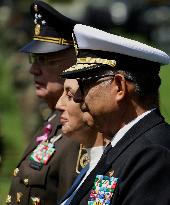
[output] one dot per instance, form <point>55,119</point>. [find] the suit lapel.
<point>149,121</point>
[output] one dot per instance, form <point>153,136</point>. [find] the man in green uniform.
<point>50,163</point>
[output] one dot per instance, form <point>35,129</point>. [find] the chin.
<point>66,130</point>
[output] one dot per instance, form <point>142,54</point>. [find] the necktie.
<point>71,192</point>
<point>107,148</point>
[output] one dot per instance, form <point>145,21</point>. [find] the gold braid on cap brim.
<point>60,41</point>
<point>89,61</point>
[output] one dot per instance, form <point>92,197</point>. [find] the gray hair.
<point>147,83</point>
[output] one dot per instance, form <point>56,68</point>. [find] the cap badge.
<point>39,16</point>
<point>35,8</point>
<point>37,29</point>
<point>43,22</point>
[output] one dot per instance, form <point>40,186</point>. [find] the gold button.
<point>26,182</point>
<point>19,195</point>
<point>35,200</point>
<point>8,199</point>
<point>16,171</point>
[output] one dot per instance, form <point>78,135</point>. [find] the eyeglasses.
<point>42,59</point>
<point>85,83</point>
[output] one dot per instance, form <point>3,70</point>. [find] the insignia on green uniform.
<point>8,199</point>
<point>16,171</point>
<point>26,182</point>
<point>83,159</point>
<point>35,201</point>
<point>42,153</point>
<point>19,195</point>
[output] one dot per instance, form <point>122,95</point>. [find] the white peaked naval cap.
<point>92,39</point>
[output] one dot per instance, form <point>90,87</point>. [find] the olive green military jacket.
<point>36,185</point>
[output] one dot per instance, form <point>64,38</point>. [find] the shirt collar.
<point>127,127</point>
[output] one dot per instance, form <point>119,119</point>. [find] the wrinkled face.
<point>74,121</point>
<point>46,69</point>
<point>99,98</point>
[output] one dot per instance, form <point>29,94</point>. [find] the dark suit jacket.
<point>141,162</point>
<point>53,180</point>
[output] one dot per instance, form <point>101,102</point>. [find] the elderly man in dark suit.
<point>48,166</point>
<point>118,84</point>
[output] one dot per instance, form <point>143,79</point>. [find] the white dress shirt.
<point>94,155</point>
<point>118,136</point>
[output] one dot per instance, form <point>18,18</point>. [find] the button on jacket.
<point>47,185</point>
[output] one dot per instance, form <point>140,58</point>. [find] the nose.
<point>35,69</point>
<point>78,97</point>
<point>60,105</point>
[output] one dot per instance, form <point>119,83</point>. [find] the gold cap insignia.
<point>35,201</point>
<point>19,195</point>
<point>37,29</point>
<point>8,199</point>
<point>35,8</point>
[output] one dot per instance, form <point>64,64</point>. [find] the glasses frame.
<point>41,59</point>
<point>84,82</point>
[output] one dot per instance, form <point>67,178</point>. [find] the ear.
<point>120,87</point>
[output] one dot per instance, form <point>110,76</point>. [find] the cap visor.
<point>42,47</point>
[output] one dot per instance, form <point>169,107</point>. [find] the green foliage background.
<point>11,129</point>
